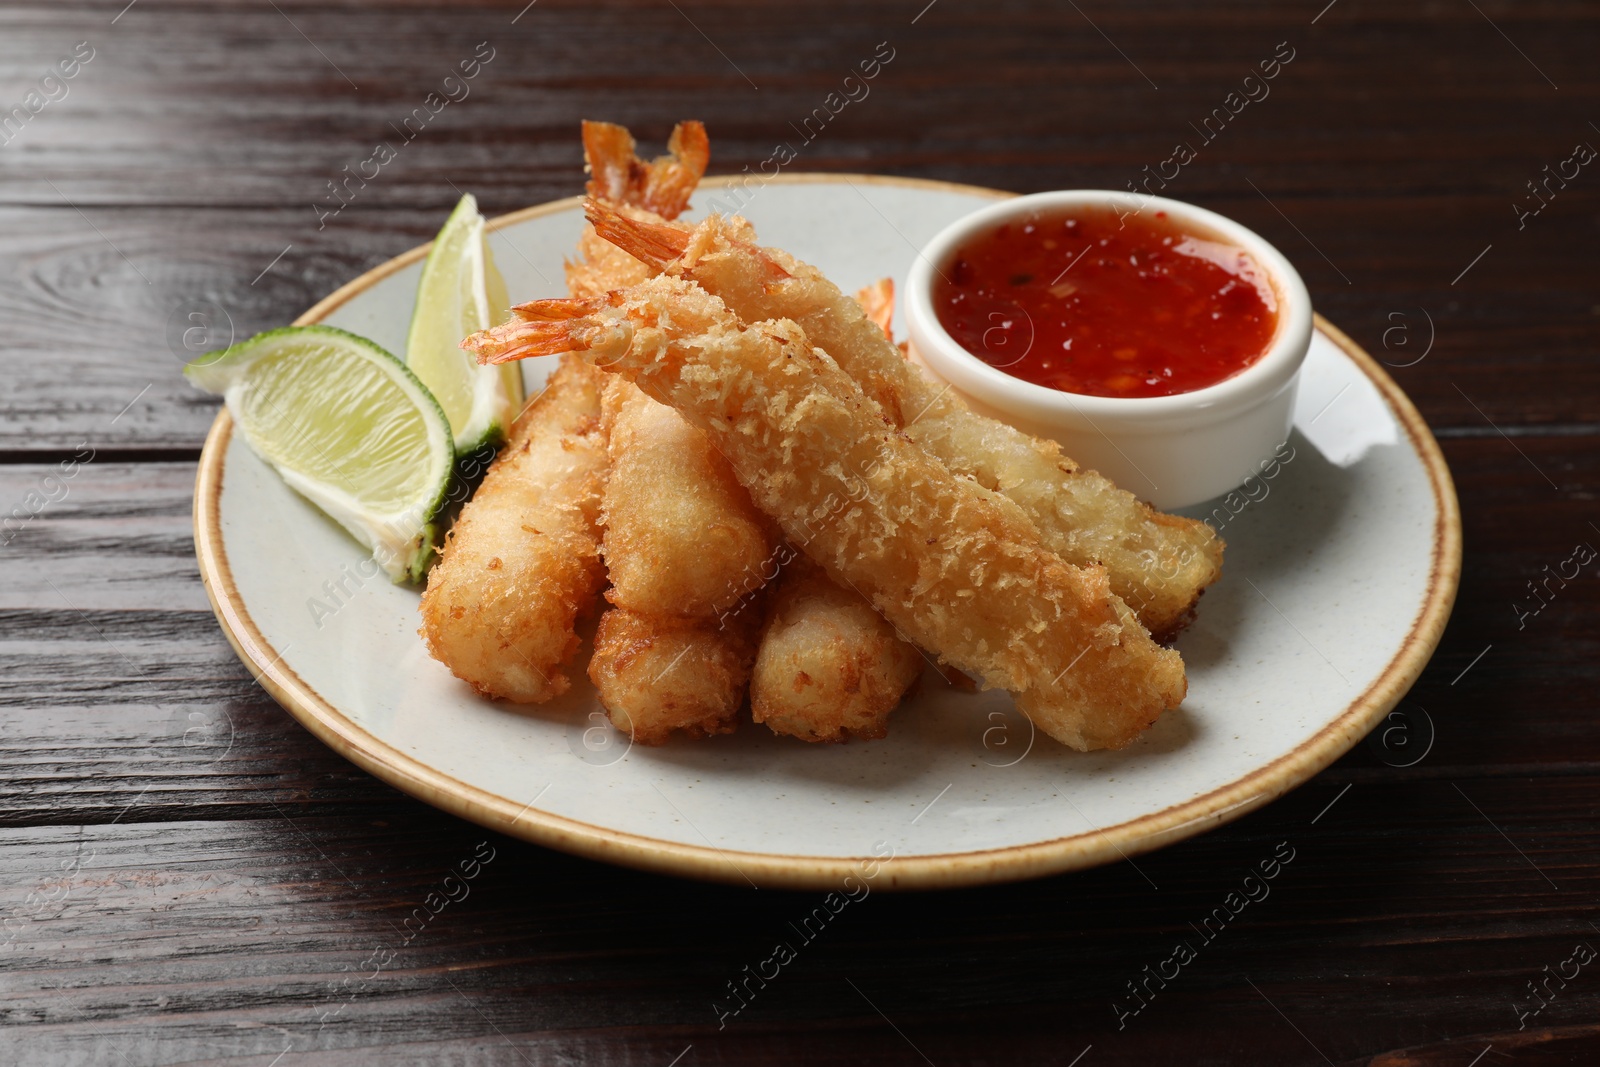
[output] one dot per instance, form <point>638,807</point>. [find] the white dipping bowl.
<point>1170,450</point>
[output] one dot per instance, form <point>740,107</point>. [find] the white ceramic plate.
<point>1339,578</point>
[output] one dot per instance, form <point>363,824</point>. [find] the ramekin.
<point>1173,451</point>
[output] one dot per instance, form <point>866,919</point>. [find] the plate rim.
<point>786,871</point>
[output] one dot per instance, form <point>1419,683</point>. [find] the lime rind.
<point>403,537</point>
<point>460,292</point>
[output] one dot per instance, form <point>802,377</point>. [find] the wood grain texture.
<point>1387,155</point>
<point>241,871</point>
<point>186,876</point>
<point>181,940</point>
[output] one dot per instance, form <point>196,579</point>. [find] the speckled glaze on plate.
<point>1341,571</point>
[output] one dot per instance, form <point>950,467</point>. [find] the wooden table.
<point>186,876</point>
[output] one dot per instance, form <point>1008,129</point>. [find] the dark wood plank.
<point>95,319</point>
<point>113,663</point>
<point>1402,918</point>
<point>1385,166</point>
<point>1013,85</point>
<point>247,923</point>
<point>1505,708</point>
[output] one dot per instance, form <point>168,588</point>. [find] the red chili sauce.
<point>1088,303</point>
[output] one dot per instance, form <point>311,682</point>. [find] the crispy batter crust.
<point>957,568</point>
<point>659,675</point>
<point>829,667</point>
<point>523,560</point>
<point>681,535</point>
<point>1157,563</point>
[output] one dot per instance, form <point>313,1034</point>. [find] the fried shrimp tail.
<point>653,245</point>
<point>877,303</point>
<point>828,667</point>
<point>522,338</point>
<point>1158,563</point>
<point>958,569</point>
<point>656,246</point>
<point>652,194</point>
<point>523,560</point>
<point>663,186</point>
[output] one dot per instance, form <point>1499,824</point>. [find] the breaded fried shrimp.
<point>1158,563</point>
<point>829,667</point>
<point>680,532</point>
<point>658,675</point>
<point>523,560</point>
<point>650,193</point>
<point>957,568</point>
<point>679,528</point>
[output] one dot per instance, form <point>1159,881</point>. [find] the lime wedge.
<point>462,292</point>
<point>349,428</point>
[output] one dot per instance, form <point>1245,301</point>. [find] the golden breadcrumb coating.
<point>829,667</point>
<point>658,675</point>
<point>680,532</point>
<point>957,568</point>
<point>523,559</point>
<point>1158,563</point>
